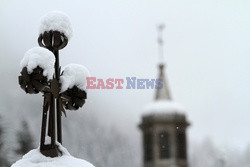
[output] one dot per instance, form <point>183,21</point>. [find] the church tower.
<point>164,128</point>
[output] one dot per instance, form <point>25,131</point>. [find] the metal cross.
<point>160,29</point>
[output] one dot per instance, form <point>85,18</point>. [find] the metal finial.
<point>163,93</point>
<point>160,29</point>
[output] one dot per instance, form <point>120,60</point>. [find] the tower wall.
<point>164,140</point>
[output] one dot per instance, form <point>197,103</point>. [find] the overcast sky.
<point>207,51</point>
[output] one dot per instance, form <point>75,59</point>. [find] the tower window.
<point>148,146</point>
<point>164,146</point>
<point>181,145</point>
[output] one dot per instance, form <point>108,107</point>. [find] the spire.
<point>163,93</point>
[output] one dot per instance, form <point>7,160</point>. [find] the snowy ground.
<point>35,159</point>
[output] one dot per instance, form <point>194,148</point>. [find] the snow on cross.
<point>66,90</point>
<point>56,21</point>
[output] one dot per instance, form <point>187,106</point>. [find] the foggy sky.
<point>207,47</point>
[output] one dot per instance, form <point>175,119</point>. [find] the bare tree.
<point>25,139</point>
<point>3,158</point>
<point>104,146</point>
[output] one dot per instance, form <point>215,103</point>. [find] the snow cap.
<point>57,21</point>
<point>39,56</point>
<point>161,106</point>
<point>74,75</point>
<point>34,158</point>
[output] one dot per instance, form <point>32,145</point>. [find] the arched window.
<point>148,146</point>
<point>181,145</point>
<point>164,145</point>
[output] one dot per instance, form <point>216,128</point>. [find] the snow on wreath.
<point>37,74</point>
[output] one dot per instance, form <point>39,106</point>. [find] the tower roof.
<point>163,101</point>
<point>163,93</point>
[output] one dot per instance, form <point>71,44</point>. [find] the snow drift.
<point>35,159</point>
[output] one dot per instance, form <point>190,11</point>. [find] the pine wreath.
<point>73,98</point>
<point>34,82</point>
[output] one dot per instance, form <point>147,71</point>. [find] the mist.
<point>206,51</point>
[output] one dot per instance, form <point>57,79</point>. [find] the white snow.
<point>74,75</point>
<point>163,106</point>
<point>56,20</point>
<point>39,56</point>
<point>47,140</point>
<point>35,159</point>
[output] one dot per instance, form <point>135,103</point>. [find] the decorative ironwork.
<point>55,102</point>
<point>32,83</point>
<point>73,98</point>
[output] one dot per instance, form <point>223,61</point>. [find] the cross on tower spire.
<point>160,28</point>
<point>163,93</point>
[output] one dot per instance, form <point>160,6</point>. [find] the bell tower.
<point>164,126</point>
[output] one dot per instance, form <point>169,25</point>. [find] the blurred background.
<point>207,56</point>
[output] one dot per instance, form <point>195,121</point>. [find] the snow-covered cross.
<point>41,72</point>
